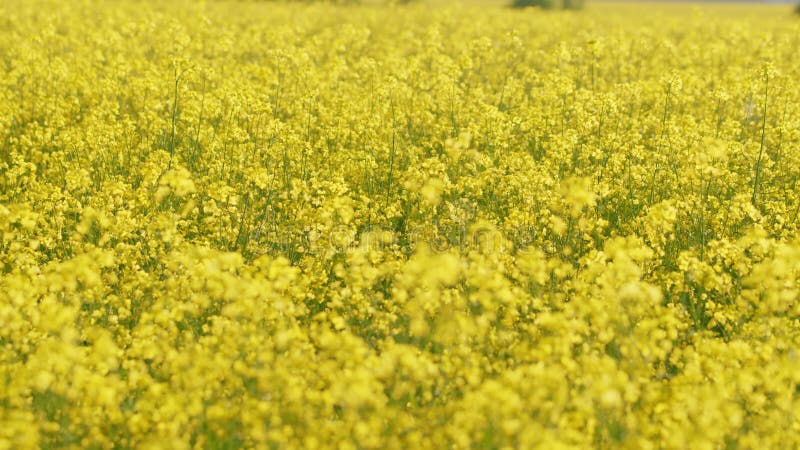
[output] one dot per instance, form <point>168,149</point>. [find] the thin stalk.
<point>174,118</point>
<point>391,156</point>
<point>763,134</point>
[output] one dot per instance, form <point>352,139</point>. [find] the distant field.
<point>433,226</point>
<point>677,8</point>
<point>653,5</point>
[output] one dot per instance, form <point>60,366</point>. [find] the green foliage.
<point>548,4</point>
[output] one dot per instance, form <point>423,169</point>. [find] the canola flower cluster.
<point>233,224</point>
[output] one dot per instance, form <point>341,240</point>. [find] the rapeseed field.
<point>438,226</point>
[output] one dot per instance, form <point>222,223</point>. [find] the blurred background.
<point>573,5</point>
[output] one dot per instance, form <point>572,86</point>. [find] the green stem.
<point>763,134</point>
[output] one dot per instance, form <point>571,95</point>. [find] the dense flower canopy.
<point>234,224</point>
